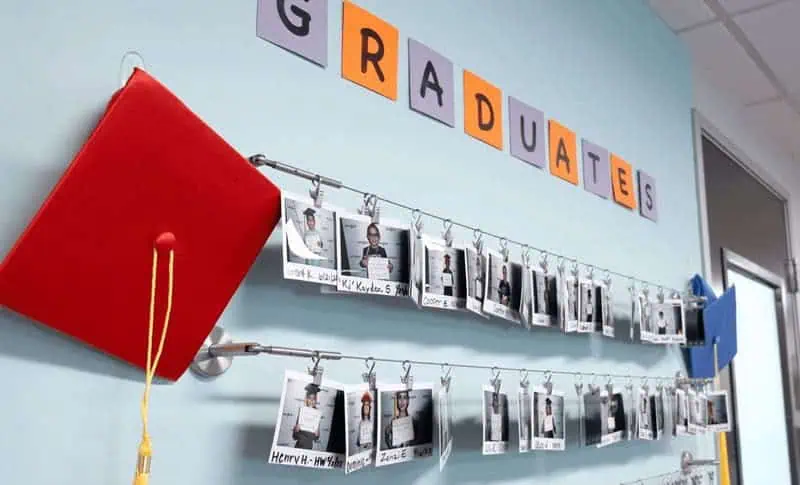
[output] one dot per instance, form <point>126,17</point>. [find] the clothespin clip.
<point>593,387</point>
<point>575,270</point>
<point>504,249</point>
<point>369,376</point>
<point>477,240</point>
<point>495,380</point>
<point>660,295</point>
<point>370,208</point>
<point>447,235</point>
<point>610,385</point>
<point>446,378</point>
<point>316,371</point>
<point>526,255</point>
<point>407,378</point>
<point>416,221</point>
<point>316,193</point>
<point>590,272</point>
<point>607,280</point>
<point>548,382</point>
<point>543,263</point>
<point>579,387</point>
<point>645,386</point>
<point>523,379</point>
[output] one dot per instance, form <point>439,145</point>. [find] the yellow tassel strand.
<point>142,476</point>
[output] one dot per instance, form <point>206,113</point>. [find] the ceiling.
<point>750,49</point>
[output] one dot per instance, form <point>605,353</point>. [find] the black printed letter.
<point>484,125</point>
<point>595,159</point>
<point>433,83</point>
<point>528,146</point>
<point>301,30</point>
<point>623,182</point>
<point>562,156</point>
<point>373,57</point>
<point>649,203</point>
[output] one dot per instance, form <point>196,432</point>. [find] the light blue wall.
<point>609,70</point>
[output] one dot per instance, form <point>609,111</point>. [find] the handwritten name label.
<point>495,447</point>
<point>610,438</point>
<point>501,311</point>
<point>585,327</point>
<point>313,274</point>
<point>359,461</point>
<point>608,331</point>
<point>310,459</point>
<point>353,284</point>
<point>402,455</point>
<point>541,320</point>
<point>548,444</point>
<point>571,326</point>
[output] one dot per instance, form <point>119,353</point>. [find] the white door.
<point>759,383</point>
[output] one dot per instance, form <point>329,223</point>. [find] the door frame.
<point>702,129</point>
<point>731,260</point>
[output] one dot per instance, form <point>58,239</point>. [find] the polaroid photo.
<point>361,416</point>
<point>681,413</point>
<point>646,333</point>
<point>607,325</point>
<point>718,411</point>
<point>693,322</point>
<point>613,421</point>
<point>667,322</point>
<point>526,298</point>
<point>476,276</point>
<point>697,412</point>
<point>444,281</point>
<point>548,420</point>
<point>643,418</point>
<point>524,408</point>
<point>309,240</point>
<point>310,429</point>
<point>503,287</point>
<point>592,418</point>
<point>657,415</point>
<point>545,299</point>
<point>570,294</point>
<point>372,258</point>
<point>445,426</point>
<point>405,423</point>
<point>495,421</point>
<point>589,306</point>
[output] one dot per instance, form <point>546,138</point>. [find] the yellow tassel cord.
<point>145,446</point>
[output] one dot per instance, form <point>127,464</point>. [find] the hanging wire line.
<point>253,348</point>
<point>260,160</point>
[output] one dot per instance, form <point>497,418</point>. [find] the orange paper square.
<point>369,51</point>
<point>563,152</point>
<point>483,110</point>
<point>622,182</point>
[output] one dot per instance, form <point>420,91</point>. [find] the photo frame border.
<point>550,444</point>
<point>334,460</point>
<point>365,458</point>
<point>417,452</point>
<point>497,309</point>
<point>327,277</point>
<point>492,447</point>
<point>441,302</point>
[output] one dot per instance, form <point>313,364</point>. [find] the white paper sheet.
<point>309,419</point>
<point>378,268</point>
<point>496,433</point>
<point>402,431</point>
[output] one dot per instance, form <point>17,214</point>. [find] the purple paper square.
<point>526,132</point>
<point>596,169</point>
<point>430,83</point>
<point>299,26</point>
<point>648,204</point>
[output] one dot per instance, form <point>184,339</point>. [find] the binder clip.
<point>369,376</point>
<point>369,207</point>
<point>316,371</point>
<point>407,378</point>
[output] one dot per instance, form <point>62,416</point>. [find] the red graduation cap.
<point>151,171</point>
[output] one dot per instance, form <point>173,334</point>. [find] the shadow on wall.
<point>272,301</point>
<point>24,339</point>
<point>466,464</point>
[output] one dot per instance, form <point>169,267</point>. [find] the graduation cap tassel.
<point>142,476</point>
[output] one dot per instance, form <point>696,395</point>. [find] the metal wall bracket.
<point>208,365</point>
<point>688,462</point>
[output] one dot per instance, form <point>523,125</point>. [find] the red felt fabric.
<point>151,166</point>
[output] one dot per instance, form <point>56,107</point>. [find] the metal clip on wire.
<point>447,235</point>
<point>316,371</point>
<point>316,193</point>
<point>369,376</point>
<point>407,378</point>
<point>495,380</point>
<point>446,378</point>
